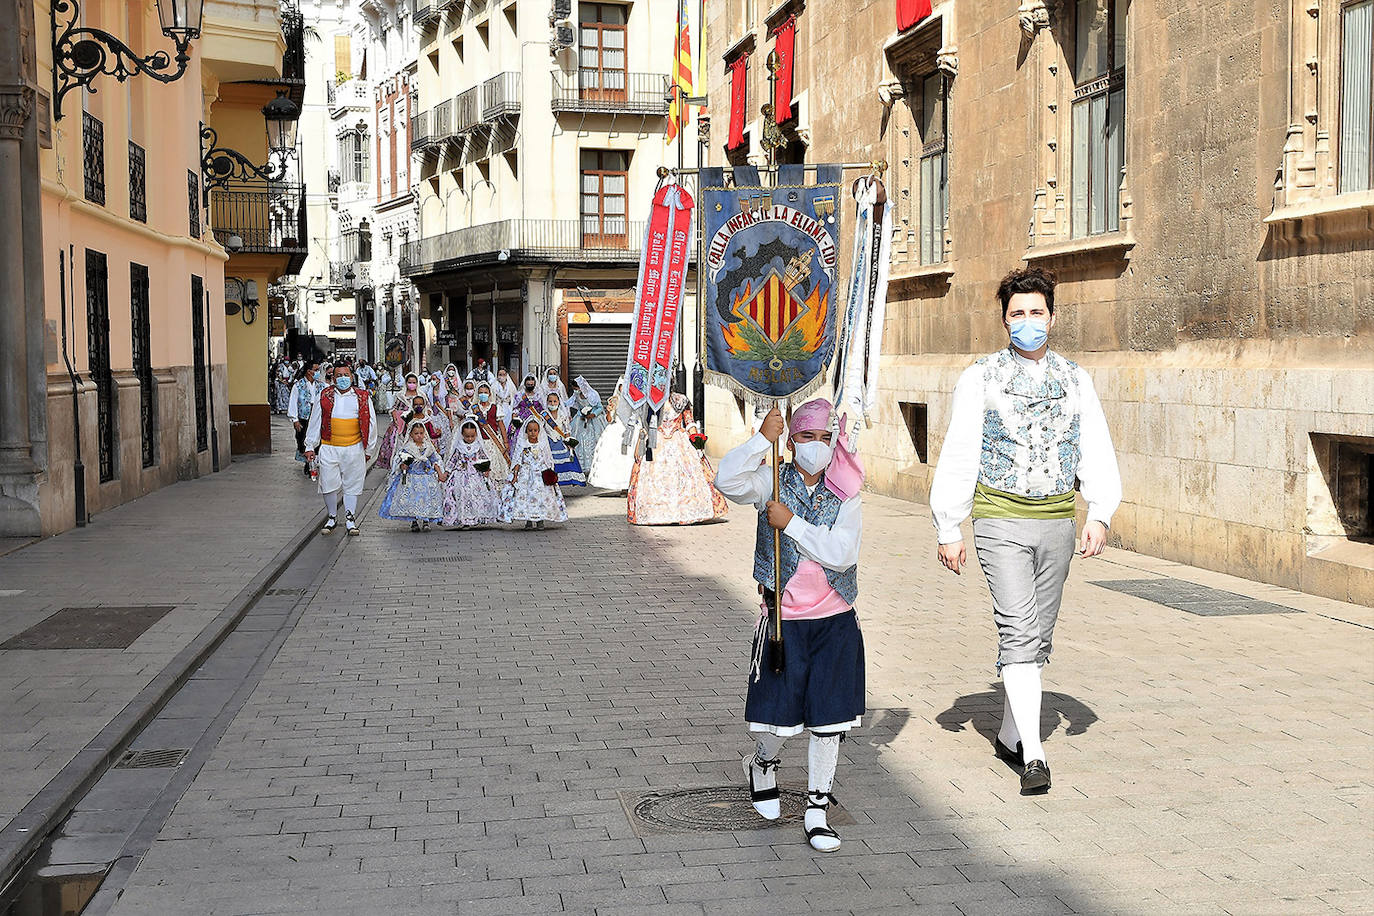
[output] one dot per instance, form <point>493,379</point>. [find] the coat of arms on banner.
<point>768,322</point>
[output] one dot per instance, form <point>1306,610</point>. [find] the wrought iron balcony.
<point>467,112</point>
<point>427,12</point>
<point>420,137</point>
<point>606,241</point>
<point>612,91</point>
<point>138,183</point>
<point>269,219</point>
<point>93,157</point>
<point>501,96</point>
<point>350,95</point>
<point>441,120</point>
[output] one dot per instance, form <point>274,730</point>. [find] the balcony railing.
<point>420,137</point>
<point>427,12</point>
<point>270,219</point>
<point>351,94</point>
<point>615,241</point>
<point>467,110</point>
<point>501,96</point>
<point>441,120</point>
<point>293,58</point>
<point>611,91</point>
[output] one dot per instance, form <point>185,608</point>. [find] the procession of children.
<point>482,450</point>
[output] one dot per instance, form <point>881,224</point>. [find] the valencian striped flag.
<point>678,113</point>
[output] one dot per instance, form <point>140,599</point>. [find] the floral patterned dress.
<point>676,488</point>
<point>527,497</point>
<point>414,493</point>
<point>470,498</point>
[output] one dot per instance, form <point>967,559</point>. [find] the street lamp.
<point>220,165</point>
<point>79,54</point>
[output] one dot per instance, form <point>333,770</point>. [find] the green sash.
<point>990,503</point>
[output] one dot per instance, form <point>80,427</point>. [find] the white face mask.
<point>812,457</point>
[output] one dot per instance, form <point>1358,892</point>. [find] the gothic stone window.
<point>1099,107</point>
<point>918,151</point>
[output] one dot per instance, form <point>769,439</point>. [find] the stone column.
<point>16,107</point>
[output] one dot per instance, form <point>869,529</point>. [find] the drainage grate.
<point>453,559</point>
<point>718,808</point>
<point>1201,600</point>
<point>296,592</point>
<point>156,757</point>
<point>89,628</point>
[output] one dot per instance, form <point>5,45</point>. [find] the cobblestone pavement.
<point>193,545</point>
<point>457,718</point>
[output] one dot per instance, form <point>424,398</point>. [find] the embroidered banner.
<point>658,298</point>
<point>855,379</point>
<point>768,313</point>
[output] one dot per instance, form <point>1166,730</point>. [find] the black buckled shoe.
<point>1007,754</point>
<point>1036,778</point>
<point>766,799</point>
<point>329,525</point>
<point>820,836</point>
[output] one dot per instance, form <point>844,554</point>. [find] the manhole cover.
<point>1201,600</point>
<point>156,757</point>
<point>89,628</point>
<point>717,808</point>
<point>285,591</point>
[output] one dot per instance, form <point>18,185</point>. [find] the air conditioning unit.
<point>562,9</point>
<point>563,36</point>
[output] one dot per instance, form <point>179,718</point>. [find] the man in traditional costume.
<point>821,686</point>
<point>1025,425</point>
<point>344,434</point>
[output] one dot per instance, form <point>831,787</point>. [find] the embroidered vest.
<point>327,413</point>
<point>1030,429</point>
<point>820,508</point>
<point>304,402</point>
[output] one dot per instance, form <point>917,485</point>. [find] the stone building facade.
<point>1196,173</point>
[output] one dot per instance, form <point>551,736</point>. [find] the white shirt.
<point>744,477</point>
<point>956,474</point>
<point>345,408</point>
<point>293,406</point>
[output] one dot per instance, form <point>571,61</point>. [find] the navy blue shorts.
<point>822,682</point>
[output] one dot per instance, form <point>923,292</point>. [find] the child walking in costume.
<point>532,495</point>
<point>469,497</point>
<point>821,687</point>
<point>415,492</point>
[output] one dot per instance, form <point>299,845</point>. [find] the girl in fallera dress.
<point>398,420</point>
<point>532,494</point>
<point>415,491</point>
<point>677,486</point>
<point>614,458</point>
<point>470,499</point>
<point>561,442</point>
<point>492,429</point>
<point>588,421</point>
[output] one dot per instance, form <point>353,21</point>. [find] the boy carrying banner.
<point>821,685</point>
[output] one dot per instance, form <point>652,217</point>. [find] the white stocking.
<point>822,758</point>
<point>351,503</point>
<point>331,502</point>
<point>768,745</point>
<point>1008,734</point>
<point>1022,683</point>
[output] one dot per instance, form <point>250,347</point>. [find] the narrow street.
<point>464,722</point>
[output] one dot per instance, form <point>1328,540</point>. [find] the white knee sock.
<point>351,503</point>
<point>1008,734</point>
<point>331,503</point>
<point>768,745</point>
<point>1022,683</point>
<point>822,758</point>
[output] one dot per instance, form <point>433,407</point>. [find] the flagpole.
<point>772,141</point>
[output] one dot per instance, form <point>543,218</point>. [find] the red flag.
<point>739,69</point>
<point>910,12</point>
<point>784,42</point>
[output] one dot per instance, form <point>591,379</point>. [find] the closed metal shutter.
<point>598,351</point>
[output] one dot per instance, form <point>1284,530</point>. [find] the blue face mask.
<point>343,382</point>
<point>484,397</point>
<point>319,376</point>
<point>1029,334</point>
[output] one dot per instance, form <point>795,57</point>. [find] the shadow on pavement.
<point>984,712</point>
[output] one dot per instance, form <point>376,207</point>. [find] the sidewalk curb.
<point>25,833</point>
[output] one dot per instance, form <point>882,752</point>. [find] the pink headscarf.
<point>845,475</point>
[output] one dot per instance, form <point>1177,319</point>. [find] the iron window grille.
<point>1099,109</point>
<point>93,157</point>
<point>143,363</point>
<point>98,358</point>
<point>198,363</point>
<point>193,203</point>
<point>138,183</point>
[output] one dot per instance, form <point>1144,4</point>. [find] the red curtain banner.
<point>739,68</point>
<point>910,12</point>
<point>784,42</point>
